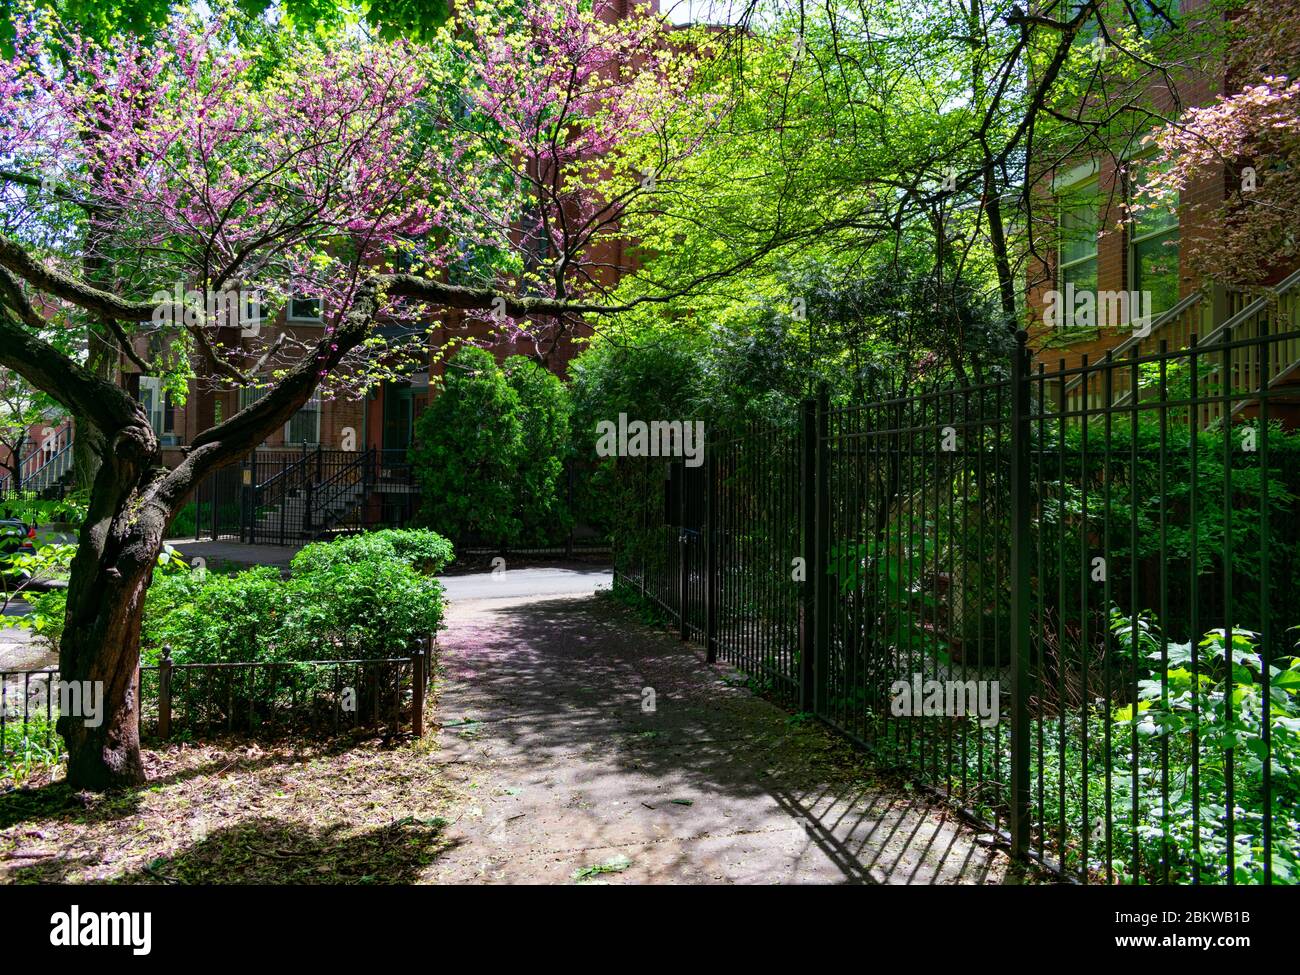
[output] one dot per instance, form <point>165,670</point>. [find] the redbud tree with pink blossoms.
<point>139,179</point>
<point>1252,132</point>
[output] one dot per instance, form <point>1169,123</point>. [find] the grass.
<point>28,752</point>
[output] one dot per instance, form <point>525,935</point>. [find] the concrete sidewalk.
<point>541,705</point>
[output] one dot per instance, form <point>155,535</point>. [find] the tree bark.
<point>116,553</point>
<point>104,651</point>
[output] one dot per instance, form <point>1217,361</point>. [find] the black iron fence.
<point>266,698</point>
<point>289,496</point>
<point>292,496</point>
<point>1062,598</point>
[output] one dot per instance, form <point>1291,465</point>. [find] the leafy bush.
<point>46,619</point>
<point>425,551</point>
<point>368,609</point>
<point>1124,487</point>
<point>489,452</point>
<point>467,443</point>
<point>652,374</point>
<point>29,507</point>
<point>359,596</point>
<point>544,439</point>
<point>206,617</point>
<point>1182,718</point>
<point>1173,719</point>
<point>369,596</point>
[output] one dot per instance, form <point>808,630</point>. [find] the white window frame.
<point>291,317</point>
<point>1132,238</point>
<point>157,404</point>
<point>1084,181</point>
<point>1061,263</point>
<point>248,395</point>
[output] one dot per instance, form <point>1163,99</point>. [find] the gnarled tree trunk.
<point>111,572</point>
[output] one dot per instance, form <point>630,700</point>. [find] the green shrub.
<point>367,595</point>
<point>28,507</point>
<point>49,611</point>
<point>424,551</point>
<point>540,487</point>
<point>490,452</point>
<point>206,617</point>
<point>365,609</point>
<point>467,445</point>
<point>1184,688</point>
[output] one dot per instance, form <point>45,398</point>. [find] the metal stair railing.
<point>1246,363</point>
<point>51,471</point>
<point>347,484</point>
<point>1248,360</point>
<point>1175,319</point>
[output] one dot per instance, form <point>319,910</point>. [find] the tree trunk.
<point>105,653</point>
<point>100,651</point>
<point>87,445</point>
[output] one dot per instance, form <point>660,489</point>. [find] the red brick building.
<point>1098,246</point>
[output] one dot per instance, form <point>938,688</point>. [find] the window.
<point>157,406</point>
<point>1153,246</point>
<point>1078,222</point>
<point>304,309</point>
<point>303,427</point>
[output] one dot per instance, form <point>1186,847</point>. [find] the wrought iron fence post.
<point>164,694</point>
<point>710,559</point>
<point>1020,649</point>
<point>683,553</point>
<point>284,508</point>
<point>247,479</point>
<point>808,521</point>
<point>417,693</point>
<point>821,632</point>
<point>214,497</point>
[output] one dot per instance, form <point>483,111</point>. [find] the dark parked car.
<point>15,536</point>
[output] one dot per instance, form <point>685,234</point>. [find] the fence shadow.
<point>552,693</point>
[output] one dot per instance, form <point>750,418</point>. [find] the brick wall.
<point>1197,205</point>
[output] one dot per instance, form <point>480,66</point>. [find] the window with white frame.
<point>1152,243</point>
<point>303,427</point>
<point>1078,223</point>
<point>154,400</point>
<point>303,308</point>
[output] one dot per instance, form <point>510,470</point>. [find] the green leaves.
<point>615,864</point>
<point>489,451</point>
<point>361,596</point>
